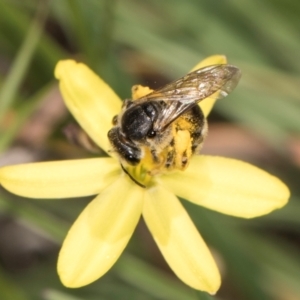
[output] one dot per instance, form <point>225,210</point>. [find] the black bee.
<point>167,125</point>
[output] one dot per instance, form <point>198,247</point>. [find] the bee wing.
<point>213,81</point>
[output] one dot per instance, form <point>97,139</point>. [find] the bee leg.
<point>198,137</point>
<point>155,157</point>
<point>170,155</point>
<point>184,159</point>
<point>183,148</point>
<point>157,161</point>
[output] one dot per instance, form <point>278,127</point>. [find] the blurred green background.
<point>152,42</point>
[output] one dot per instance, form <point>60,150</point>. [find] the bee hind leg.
<point>179,151</point>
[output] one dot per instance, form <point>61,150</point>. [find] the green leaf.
<point>22,61</point>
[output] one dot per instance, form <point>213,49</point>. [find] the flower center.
<point>139,174</point>
<point>148,168</point>
<point>144,172</point>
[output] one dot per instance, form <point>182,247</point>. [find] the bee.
<point>167,125</point>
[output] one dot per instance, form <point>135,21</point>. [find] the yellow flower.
<point>103,229</point>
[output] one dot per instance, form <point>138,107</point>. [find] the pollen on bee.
<point>139,91</point>
<point>183,148</point>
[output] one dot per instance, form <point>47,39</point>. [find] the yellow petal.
<point>229,186</point>
<point>100,234</point>
<point>211,60</point>
<point>60,179</point>
<point>179,241</point>
<point>91,101</point>
<point>209,102</point>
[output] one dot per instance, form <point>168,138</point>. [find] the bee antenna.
<point>134,180</point>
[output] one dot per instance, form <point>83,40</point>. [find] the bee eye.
<point>151,134</point>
